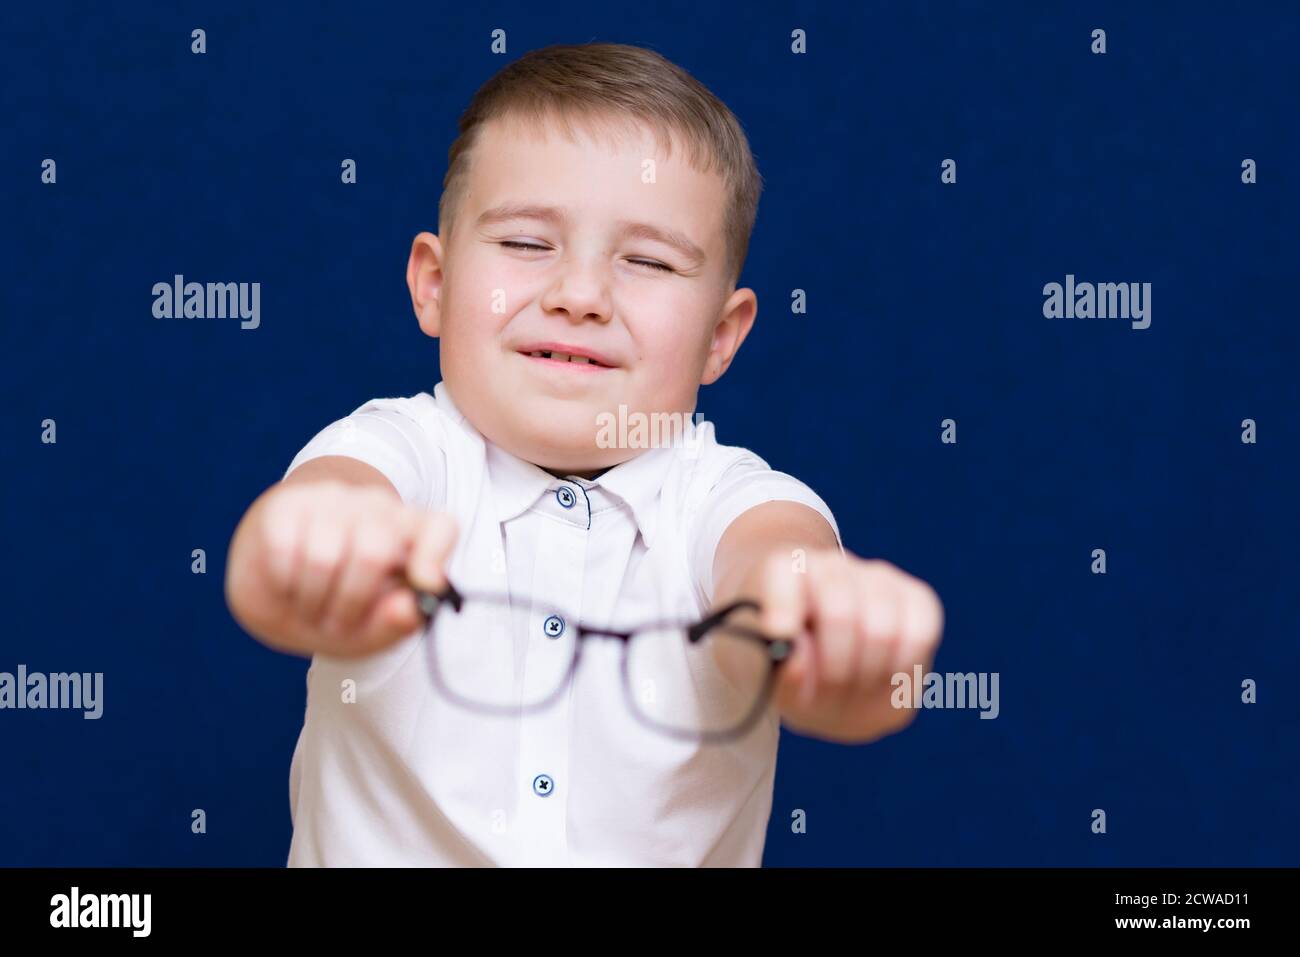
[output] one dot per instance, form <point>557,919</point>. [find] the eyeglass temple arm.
<point>700,628</point>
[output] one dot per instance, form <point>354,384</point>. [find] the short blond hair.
<point>602,84</point>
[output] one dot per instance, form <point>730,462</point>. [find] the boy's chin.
<point>557,436</point>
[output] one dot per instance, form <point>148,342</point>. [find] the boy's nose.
<point>580,294</point>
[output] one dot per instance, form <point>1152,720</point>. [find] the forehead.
<point>603,172</point>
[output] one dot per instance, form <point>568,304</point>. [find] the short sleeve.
<point>747,483</point>
<point>388,436</point>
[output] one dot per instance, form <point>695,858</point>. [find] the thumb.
<point>435,536</point>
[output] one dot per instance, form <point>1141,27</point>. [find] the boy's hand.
<point>856,624</point>
<point>323,567</point>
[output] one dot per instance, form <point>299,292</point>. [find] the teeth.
<point>562,357</point>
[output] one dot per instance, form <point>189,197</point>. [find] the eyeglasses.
<point>708,680</point>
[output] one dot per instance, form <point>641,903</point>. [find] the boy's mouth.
<point>556,354</point>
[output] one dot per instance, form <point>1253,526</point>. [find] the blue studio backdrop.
<point>1120,691</point>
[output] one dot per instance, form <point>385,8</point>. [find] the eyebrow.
<point>557,217</point>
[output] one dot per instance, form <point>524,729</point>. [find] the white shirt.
<point>402,776</point>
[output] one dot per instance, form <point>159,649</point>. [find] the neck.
<point>588,474</point>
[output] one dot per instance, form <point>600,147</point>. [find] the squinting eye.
<point>653,265</point>
<point>516,244</point>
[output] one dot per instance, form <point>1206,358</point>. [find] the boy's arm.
<point>339,468</point>
<point>856,623</point>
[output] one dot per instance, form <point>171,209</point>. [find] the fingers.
<point>283,530</point>
<point>881,614</point>
<point>377,547</point>
<point>434,537</point>
<point>324,550</point>
<point>865,621</point>
<point>392,617</point>
<point>783,608</point>
<point>921,628</point>
<point>425,541</point>
<point>836,609</point>
<point>782,614</point>
<point>337,562</point>
<point>390,547</point>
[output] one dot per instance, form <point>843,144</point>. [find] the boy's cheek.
<point>479,288</point>
<point>475,316</point>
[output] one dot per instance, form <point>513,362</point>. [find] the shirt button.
<point>565,496</point>
<point>553,627</point>
<point>543,785</point>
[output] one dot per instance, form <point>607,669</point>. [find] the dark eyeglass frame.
<point>776,650</point>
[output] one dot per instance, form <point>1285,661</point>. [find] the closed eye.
<point>652,264</point>
<point>515,244</point>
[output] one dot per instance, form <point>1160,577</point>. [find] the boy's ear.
<point>737,319</point>
<point>424,280</point>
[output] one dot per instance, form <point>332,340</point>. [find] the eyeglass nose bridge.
<point>585,631</point>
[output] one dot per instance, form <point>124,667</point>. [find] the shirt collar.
<point>517,484</point>
<point>639,482</point>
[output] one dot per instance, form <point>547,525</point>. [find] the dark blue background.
<point>1119,692</point>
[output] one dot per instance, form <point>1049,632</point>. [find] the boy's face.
<point>592,286</point>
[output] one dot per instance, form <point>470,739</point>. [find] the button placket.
<point>543,768</point>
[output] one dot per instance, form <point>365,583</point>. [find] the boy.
<point>594,221</point>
